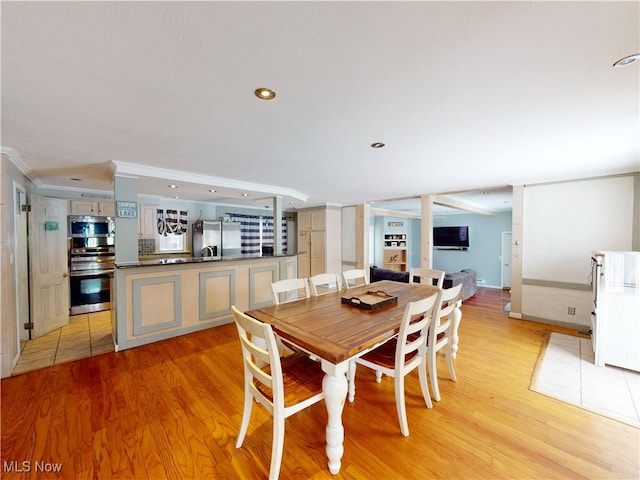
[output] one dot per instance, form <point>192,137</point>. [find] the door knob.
<point>65,274</point>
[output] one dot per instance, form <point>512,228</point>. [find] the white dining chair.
<point>282,386</point>
<point>427,276</point>
<point>324,283</point>
<point>355,278</point>
<point>441,335</point>
<point>289,290</point>
<point>401,355</point>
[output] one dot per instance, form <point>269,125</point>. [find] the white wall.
<point>8,281</point>
<point>563,223</point>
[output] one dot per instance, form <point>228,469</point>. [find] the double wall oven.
<point>91,257</point>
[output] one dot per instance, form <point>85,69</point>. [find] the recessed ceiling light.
<point>265,94</point>
<point>377,145</point>
<point>623,62</point>
<point>173,186</point>
<point>245,194</point>
<point>212,190</point>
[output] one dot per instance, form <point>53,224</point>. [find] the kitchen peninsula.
<point>162,298</point>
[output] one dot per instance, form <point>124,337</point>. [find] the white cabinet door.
<point>82,207</point>
<point>147,221</point>
<point>108,209</point>
<point>88,207</point>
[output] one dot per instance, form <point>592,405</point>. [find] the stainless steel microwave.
<point>89,226</point>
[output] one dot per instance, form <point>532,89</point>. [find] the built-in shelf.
<point>395,251</point>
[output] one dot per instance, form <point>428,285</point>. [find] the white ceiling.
<point>467,96</point>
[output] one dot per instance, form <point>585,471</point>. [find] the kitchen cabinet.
<point>88,207</point>
<point>147,295</point>
<point>147,222</point>
<point>311,220</point>
<point>319,241</point>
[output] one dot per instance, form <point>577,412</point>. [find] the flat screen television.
<point>457,237</point>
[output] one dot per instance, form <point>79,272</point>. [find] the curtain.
<point>256,231</point>
<point>268,233</point>
<point>171,223</point>
<point>249,232</point>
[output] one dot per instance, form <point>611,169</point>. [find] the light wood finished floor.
<point>172,410</point>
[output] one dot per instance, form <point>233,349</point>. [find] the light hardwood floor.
<point>172,410</point>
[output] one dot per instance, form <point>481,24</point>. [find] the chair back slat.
<point>289,290</point>
<point>416,319</point>
<point>324,283</point>
<point>427,276</point>
<point>355,277</point>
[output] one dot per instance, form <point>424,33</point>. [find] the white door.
<point>505,260</point>
<point>49,267</point>
<point>22,264</point>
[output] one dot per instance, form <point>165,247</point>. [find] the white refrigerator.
<point>615,320</point>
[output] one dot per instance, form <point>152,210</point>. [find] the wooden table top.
<point>335,331</point>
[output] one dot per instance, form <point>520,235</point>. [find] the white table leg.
<point>334,386</point>
<point>455,323</point>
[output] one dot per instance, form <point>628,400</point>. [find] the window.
<point>171,234</point>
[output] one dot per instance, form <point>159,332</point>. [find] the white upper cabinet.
<point>88,207</point>
<point>147,221</point>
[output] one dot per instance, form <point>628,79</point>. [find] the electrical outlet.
<point>571,310</point>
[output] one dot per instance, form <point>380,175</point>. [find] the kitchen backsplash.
<point>146,247</point>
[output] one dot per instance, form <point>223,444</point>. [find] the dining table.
<point>335,332</point>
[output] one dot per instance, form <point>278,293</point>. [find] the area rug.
<point>566,371</point>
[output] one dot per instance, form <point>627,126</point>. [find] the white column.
<point>277,225</point>
<point>426,232</point>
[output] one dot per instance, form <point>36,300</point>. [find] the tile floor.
<point>568,373</point>
<point>86,335</point>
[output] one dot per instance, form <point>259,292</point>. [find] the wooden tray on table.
<point>370,300</point>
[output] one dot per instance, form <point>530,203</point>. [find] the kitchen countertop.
<point>184,260</point>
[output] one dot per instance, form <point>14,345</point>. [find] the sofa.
<point>376,274</point>
<point>466,277</point>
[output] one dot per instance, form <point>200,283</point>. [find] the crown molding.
<point>126,169</point>
<point>14,157</point>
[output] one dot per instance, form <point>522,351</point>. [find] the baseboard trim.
<point>558,323</point>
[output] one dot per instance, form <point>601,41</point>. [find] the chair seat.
<point>385,354</point>
<point>302,378</point>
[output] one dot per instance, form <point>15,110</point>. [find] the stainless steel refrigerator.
<point>213,238</point>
